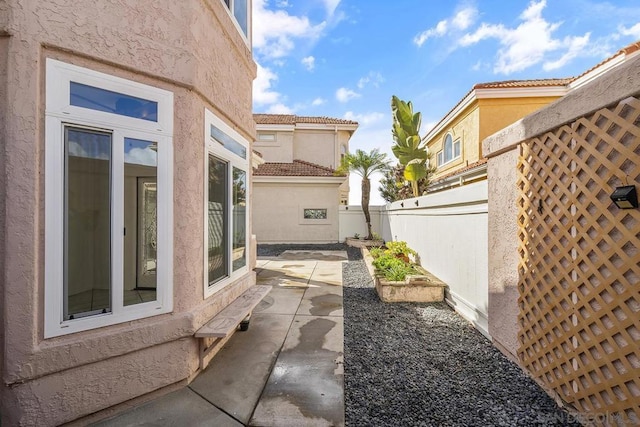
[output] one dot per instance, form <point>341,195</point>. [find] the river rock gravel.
<point>417,364</point>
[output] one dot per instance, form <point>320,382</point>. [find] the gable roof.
<point>297,168</point>
<point>292,119</point>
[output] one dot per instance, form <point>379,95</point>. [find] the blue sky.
<point>346,58</point>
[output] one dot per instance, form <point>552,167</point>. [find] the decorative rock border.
<point>362,243</point>
<point>416,288</point>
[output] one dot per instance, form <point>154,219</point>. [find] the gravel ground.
<point>410,364</point>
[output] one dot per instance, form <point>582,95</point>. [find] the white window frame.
<point>310,221</point>
<point>267,137</point>
<point>59,114</point>
<point>441,158</point>
<point>230,10</point>
<point>212,147</point>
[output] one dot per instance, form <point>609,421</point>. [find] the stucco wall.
<point>4,44</point>
<point>319,147</point>
<point>503,256</point>
<point>277,216</point>
<point>352,221</point>
<point>278,151</point>
<point>465,127</point>
<point>496,114</point>
<point>46,382</point>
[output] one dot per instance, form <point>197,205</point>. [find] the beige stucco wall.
<point>277,212</point>
<point>465,126</point>
<point>48,382</point>
<point>278,151</point>
<point>4,44</point>
<point>319,147</point>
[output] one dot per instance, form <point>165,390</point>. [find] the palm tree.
<point>365,164</point>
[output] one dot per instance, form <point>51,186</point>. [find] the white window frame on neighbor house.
<point>313,221</point>
<point>59,115</point>
<point>216,149</point>
<point>448,139</point>
<point>230,5</point>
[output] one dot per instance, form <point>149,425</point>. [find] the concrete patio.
<point>286,370</point>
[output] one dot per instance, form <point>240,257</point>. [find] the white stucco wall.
<point>449,231</point>
<point>352,221</point>
<point>277,212</point>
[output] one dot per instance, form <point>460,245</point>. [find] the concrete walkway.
<point>286,370</point>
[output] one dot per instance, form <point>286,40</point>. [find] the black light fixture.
<point>625,197</point>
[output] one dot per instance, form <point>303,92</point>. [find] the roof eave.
<point>291,179</point>
<point>494,93</point>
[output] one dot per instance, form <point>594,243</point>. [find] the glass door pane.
<point>239,218</point>
<point>87,223</point>
<point>140,220</point>
<point>217,251</point>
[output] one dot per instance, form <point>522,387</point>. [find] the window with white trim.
<point>226,205</point>
<point>239,9</point>
<point>266,136</point>
<point>450,150</point>
<point>108,200</point>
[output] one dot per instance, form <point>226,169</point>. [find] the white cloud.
<point>460,21</point>
<point>309,62</point>
<point>279,108</point>
<point>529,43</point>
<point>464,18</point>
<point>344,95</point>
<point>262,92</point>
<point>576,45</point>
<point>330,6</point>
<point>318,101</point>
<point>275,31</point>
<point>633,31</point>
<point>374,78</point>
<point>365,119</point>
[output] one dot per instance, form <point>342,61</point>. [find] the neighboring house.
<point>455,140</point>
<point>126,133</point>
<point>296,190</point>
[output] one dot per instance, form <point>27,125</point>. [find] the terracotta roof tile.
<point>292,119</point>
<point>297,168</point>
<point>523,83</point>
<point>461,170</point>
<point>627,50</point>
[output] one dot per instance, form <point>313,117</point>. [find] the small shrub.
<point>376,252</point>
<point>400,248</point>
<point>392,268</point>
<point>398,273</point>
<point>376,236</point>
<point>356,236</point>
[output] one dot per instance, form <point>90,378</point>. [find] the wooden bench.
<point>225,322</point>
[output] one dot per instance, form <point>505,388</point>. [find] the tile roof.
<point>523,83</point>
<point>297,168</point>
<point>292,119</point>
<point>627,50</point>
<point>461,170</point>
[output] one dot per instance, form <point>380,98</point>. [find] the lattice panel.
<point>580,263</point>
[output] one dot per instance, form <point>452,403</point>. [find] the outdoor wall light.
<point>625,197</point>
<point>402,204</point>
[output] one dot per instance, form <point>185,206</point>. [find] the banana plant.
<point>407,142</point>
